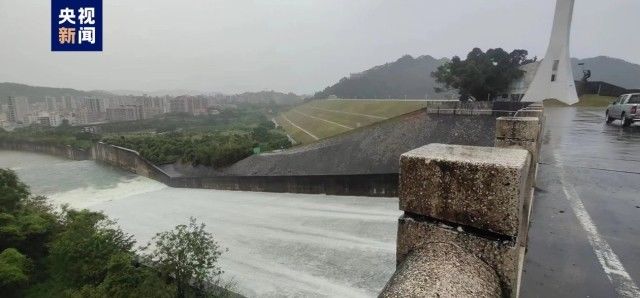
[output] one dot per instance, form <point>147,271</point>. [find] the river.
<point>279,244</point>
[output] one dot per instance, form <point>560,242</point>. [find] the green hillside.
<point>587,100</point>
<point>411,78</point>
<point>36,94</point>
<point>321,119</point>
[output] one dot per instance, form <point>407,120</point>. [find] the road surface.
<point>584,239</point>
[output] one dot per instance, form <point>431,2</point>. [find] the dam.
<point>279,244</point>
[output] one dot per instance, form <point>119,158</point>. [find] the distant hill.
<point>36,94</point>
<point>407,77</point>
<point>611,70</point>
<point>265,97</point>
<point>160,93</point>
<point>411,77</point>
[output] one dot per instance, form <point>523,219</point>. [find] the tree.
<point>482,75</point>
<point>80,254</point>
<point>189,255</point>
<point>127,278</point>
<point>72,253</point>
<point>12,190</point>
<point>260,133</point>
<point>14,268</point>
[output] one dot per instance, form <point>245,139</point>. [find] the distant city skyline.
<point>296,46</point>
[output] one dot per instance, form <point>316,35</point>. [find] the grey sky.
<point>295,45</point>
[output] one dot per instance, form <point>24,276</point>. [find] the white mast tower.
<point>554,78</point>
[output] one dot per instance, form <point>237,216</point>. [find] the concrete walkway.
<point>584,240</point>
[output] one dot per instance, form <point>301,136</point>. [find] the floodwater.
<point>279,244</point>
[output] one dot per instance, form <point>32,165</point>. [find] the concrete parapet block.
<point>523,235</point>
<point>522,132</point>
<point>479,187</point>
<point>536,105</point>
<point>504,256</point>
<point>530,113</point>
<point>530,146</point>
<point>519,128</point>
<point>440,269</point>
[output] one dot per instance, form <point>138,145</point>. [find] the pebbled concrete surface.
<point>602,163</point>
<point>481,187</point>
<point>443,270</point>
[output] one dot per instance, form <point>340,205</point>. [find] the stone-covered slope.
<point>370,150</point>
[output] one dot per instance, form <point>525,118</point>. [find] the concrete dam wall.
<point>128,160</point>
<point>358,185</point>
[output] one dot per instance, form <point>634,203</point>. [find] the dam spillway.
<point>279,244</point>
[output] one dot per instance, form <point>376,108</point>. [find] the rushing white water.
<point>279,244</point>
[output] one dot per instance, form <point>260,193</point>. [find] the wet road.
<point>584,239</point>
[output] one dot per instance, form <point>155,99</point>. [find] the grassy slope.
<point>379,108</point>
<point>331,110</point>
<point>588,100</point>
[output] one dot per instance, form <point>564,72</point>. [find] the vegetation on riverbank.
<point>64,135</point>
<point>209,149</point>
<point>211,140</point>
<point>45,252</point>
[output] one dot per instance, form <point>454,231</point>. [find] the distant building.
<point>125,113</point>
<point>151,106</point>
<point>66,103</point>
<point>51,103</point>
<point>18,109</point>
<point>46,119</point>
<point>94,105</point>
<point>91,111</point>
<point>518,88</point>
<point>178,105</point>
<point>189,104</point>
<point>3,120</point>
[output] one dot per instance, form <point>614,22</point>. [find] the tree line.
<point>210,140</point>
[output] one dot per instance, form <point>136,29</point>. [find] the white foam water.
<point>280,245</point>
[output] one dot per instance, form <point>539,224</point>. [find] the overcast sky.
<point>290,45</point>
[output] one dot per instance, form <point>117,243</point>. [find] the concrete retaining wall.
<point>376,185</point>
<point>46,148</point>
<point>382,185</point>
<point>128,160</point>
<point>373,185</point>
